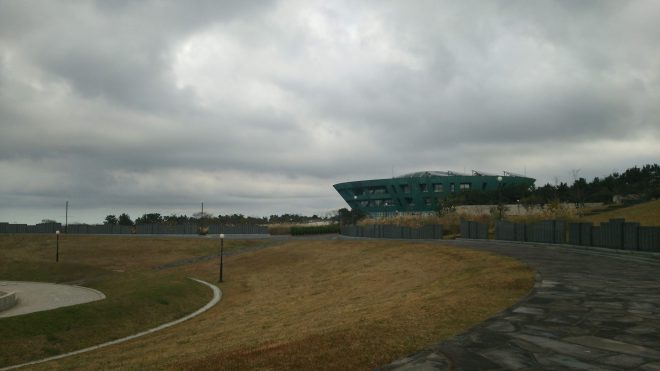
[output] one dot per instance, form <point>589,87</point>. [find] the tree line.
<point>205,218</point>
<point>636,183</point>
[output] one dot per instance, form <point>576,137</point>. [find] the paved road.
<point>590,310</point>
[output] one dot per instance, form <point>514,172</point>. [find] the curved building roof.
<point>420,174</point>
<point>421,190</point>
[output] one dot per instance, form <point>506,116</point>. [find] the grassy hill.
<point>302,304</point>
<point>647,214</point>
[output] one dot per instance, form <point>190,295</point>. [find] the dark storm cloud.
<point>115,51</point>
<point>259,107</point>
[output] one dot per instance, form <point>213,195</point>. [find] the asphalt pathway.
<point>589,310</point>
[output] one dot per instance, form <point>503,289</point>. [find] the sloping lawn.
<point>327,305</point>
<point>138,296</point>
<point>647,214</point>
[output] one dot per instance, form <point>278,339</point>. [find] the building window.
<point>428,201</point>
<point>364,203</point>
<point>423,187</point>
<point>405,188</point>
<point>377,190</point>
<point>465,186</point>
<point>388,202</point>
<point>409,201</point>
<point>483,186</point>
<point>451,187</point>
<point>437,187</point>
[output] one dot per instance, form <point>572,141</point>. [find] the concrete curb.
<point>217,295</point>
<point>7,300</point>
<point>647,257</point>
<point>25,293</point>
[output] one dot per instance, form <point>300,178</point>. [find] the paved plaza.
<point>39,296</point>
<point>589,310</point>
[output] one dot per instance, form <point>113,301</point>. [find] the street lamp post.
<point>499,195</point>
<point>200,228</point>
<point>57,246</point>
<point>222,243</point>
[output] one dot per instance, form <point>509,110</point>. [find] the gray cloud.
<point>259,107</point>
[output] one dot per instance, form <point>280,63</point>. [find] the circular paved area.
<point>39,296</point>
<point>589,310</point>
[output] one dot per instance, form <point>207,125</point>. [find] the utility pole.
<point>66,217</point>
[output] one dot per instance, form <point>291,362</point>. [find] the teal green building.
<point>419,192</point>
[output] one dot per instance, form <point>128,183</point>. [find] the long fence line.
<point>614,234</point>
<point>426,232</point>
<point>189,228</point>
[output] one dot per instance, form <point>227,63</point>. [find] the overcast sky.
<point>259,107</point>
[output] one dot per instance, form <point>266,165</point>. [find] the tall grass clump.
<point>552,211</point>
<point>314,229</point>
<point>279,229</point>
<point>450,221</point>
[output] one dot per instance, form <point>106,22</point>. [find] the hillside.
<point>647,213</point>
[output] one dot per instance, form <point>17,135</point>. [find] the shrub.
<point>279,229</point>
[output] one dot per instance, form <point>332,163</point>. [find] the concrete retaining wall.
<point>470,229</point>
<point>426,232</point>
<point>7,300</point>
<point>614,234</point>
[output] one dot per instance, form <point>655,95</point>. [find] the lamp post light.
<point>57,246</point>
<point>499,195</point>
<point>200,227</point>
<point>222,243</point>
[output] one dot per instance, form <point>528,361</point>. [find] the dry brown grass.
<point>328,305</point>
<point>450,222</point>
<point>647,214</point>
<point>138,297</point>
<point>112,252</point>
<point>280,229</point>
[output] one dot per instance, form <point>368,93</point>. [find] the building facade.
<point>419,192</point>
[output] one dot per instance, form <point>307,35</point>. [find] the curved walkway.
<point>217,295</point>
<point>589,310</point>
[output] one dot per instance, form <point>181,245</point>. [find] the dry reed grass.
<point>647,214</point>
<point>450,222</point>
